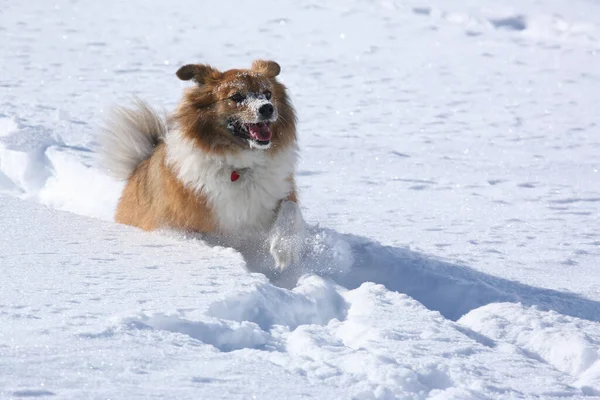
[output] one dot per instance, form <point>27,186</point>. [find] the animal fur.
<point>181,173</point>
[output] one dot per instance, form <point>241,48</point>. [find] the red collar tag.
<point>234,176</point>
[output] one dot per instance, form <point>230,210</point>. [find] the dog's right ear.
<point>200,73</point>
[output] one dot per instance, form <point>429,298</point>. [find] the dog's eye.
<point>267,95</point>
<point>238,97</point>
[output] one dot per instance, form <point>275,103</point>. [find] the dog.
<point>222,163</point>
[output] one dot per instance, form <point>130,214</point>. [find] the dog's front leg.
<point>286,238</point>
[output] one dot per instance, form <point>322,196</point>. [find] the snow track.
<point>449,177</point>
<point>367,342</point>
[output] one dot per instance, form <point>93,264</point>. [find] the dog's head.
<point>238,108</point>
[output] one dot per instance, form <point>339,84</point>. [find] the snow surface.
<point>449,174</point>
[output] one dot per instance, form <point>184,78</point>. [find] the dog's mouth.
<point>258,135</point>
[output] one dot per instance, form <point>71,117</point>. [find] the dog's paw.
<point>285,251</point>
<point>287,236</point>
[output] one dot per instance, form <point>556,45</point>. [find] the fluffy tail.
<point>129,136</point>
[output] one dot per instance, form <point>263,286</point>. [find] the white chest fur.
<point>242,206</point>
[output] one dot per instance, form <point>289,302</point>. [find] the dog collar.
<point>234,176</point>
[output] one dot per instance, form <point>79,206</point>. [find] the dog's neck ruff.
<point>243,189</point>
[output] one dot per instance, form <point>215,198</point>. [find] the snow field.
<point>107,292</point>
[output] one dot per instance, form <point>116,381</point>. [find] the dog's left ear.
<point>268,68</point>
<point>201,73</point>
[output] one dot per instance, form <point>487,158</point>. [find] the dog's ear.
<point>268,68</point>
<point>200,73</point>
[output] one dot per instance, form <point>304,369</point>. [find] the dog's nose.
<point>266,110</point>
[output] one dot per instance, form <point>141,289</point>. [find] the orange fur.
<point>154,198</point>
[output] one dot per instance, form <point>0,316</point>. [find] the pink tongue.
<point>259,132</point>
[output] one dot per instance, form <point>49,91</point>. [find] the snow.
<point>568,344</point>
<point>449,174</point>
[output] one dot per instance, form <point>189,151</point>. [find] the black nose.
<point>266,110</point>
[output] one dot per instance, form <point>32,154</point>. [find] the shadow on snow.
<point>451,289</point>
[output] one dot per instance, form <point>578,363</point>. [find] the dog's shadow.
<point>451,289</point>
